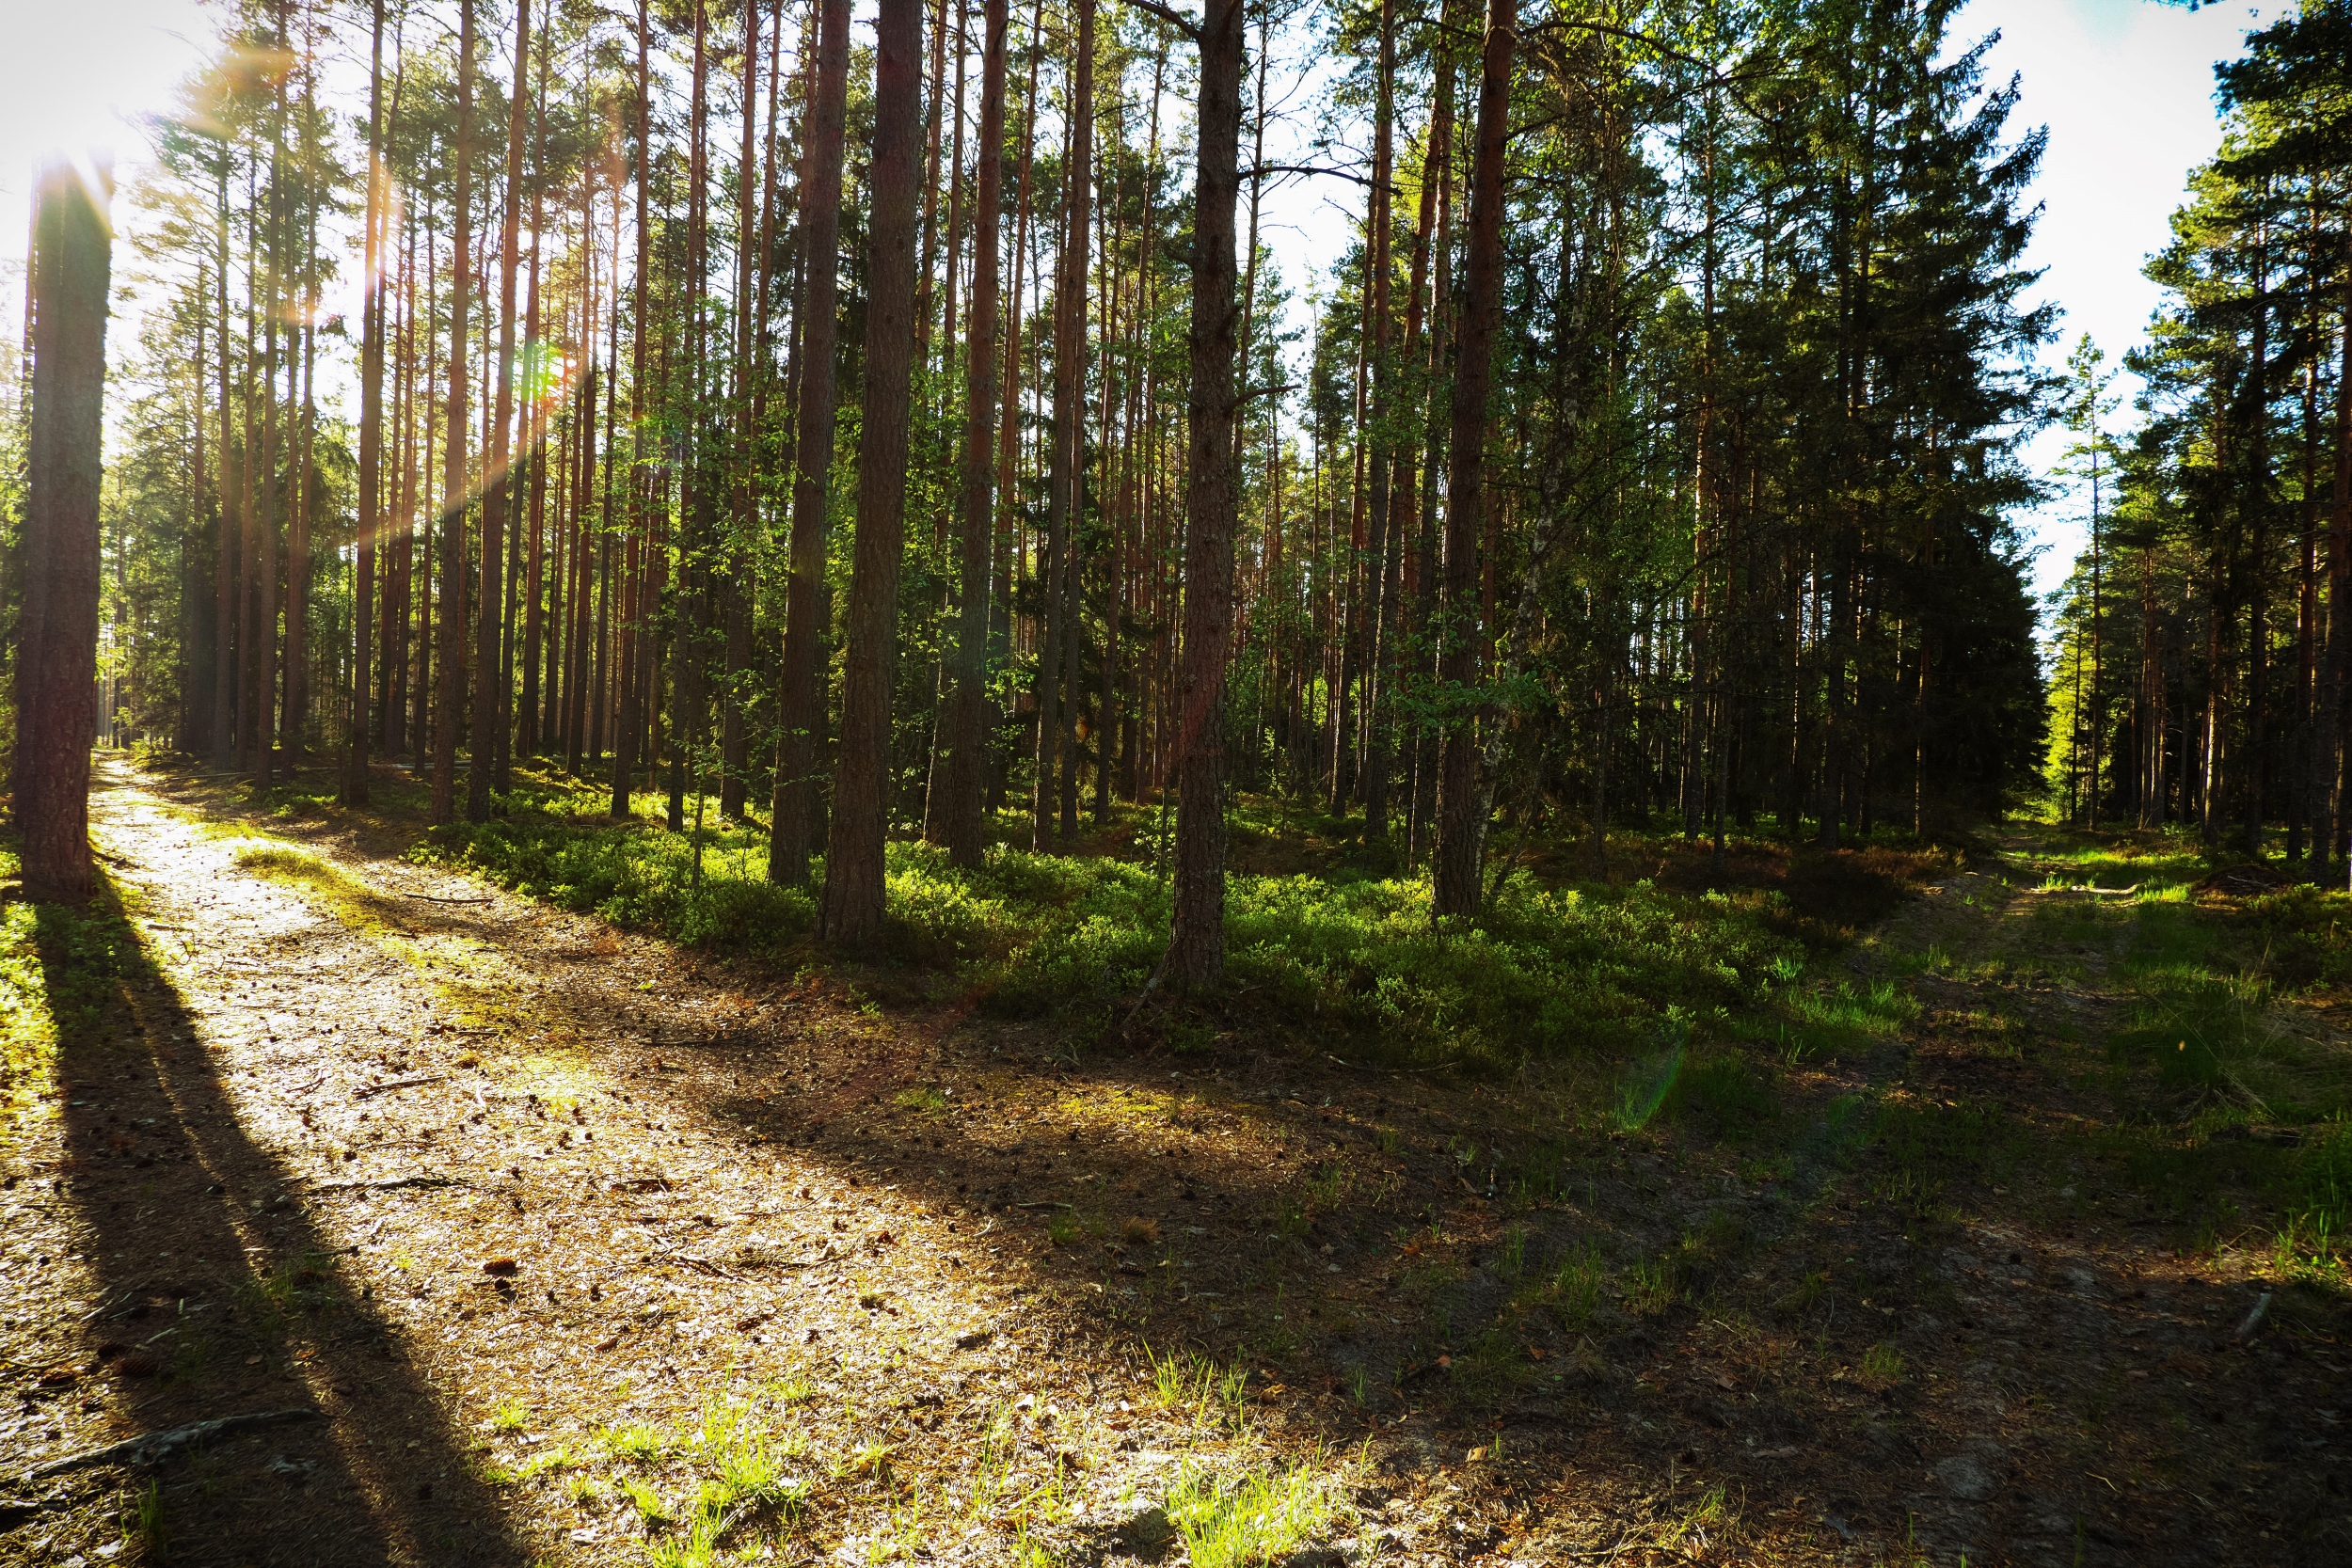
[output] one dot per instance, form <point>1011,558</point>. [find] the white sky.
<point>2127,88</point>
<point>2124,86</point>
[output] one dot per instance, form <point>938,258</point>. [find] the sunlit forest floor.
<point>521,1196</point>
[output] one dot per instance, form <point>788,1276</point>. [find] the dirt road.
<point>528,1241</point>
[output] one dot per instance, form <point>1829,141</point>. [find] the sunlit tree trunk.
<point>851,911</point>
<point>451,609</point>
<point>735,590</point>
<point>56,665</point>
<point>498,490</point>
<point>634,630</point>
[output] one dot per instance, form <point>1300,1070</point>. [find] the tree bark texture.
<point>800,700</point>
<point>451,610</point>
<point>1196,951</point>
<point>965,771</point>
<point>57,625</point>
<point>1461,826</point>
<point>852,907</point>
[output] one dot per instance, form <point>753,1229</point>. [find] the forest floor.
<point>502,1237</point>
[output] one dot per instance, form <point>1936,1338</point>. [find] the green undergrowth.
<point>1548,970</point>
<point>59,966</point>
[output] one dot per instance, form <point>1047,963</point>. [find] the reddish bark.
<point>58,625</point>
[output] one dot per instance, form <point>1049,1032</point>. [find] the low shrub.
<point>1549,971</point>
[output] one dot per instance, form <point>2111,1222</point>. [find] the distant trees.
<point>2202,633</point>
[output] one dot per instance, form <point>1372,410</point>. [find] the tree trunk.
<point>498,493</point>
<point>1196,947</point>
<point>534,415</point>
<point>1461,826</point>
<point>633,630</point>
<point>802,697</point>
<point>2255,503</point>
<point>2338,654</point>
<point>354,792</point>
<point>56,670</point>
<point>689,611</point>
<point>1380,591</point>
<point>1438,172</point>
<point>735,587</point>
<point>452,611</point>
<point>965,772</point>
<point>230,520</point>
<point>1057,673</point>
<point>852,908</point>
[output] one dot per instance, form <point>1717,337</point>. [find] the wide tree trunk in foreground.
<point>57,629</point>
<point>1461,808</point>
<point>852,908</point>
<point>1196,950</point>
<point>801,704</point>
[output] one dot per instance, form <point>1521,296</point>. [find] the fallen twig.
<point>15,1511</point>
<point>161,1444</point>
<point>397,1083</point>
<point>393,1185</point>
<point>1391,1071</point>
<point>431,898</point>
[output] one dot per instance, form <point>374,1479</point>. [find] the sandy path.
<point>423,1166</point>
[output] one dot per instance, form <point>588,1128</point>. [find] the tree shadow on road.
<point>215,1296</point>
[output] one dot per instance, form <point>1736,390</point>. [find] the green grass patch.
<point>1261,1517</point>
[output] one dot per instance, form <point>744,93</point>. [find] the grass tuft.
<point>1262,1517</point>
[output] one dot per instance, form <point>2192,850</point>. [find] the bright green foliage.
<point>1259,1518</point>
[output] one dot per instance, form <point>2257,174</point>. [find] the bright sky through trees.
<point>2125,86</point>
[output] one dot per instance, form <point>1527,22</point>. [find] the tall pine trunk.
<point>852,907</point>
<point>1057,674</point>
<point>802,697</point>
<point>735,588</point>
<point>56,669</point>
<point>489,661</point>
<point>451,610</point>
<point>1196,947</point>
<point>1380,672</point>
<point>1461,802</point>
<point>355,790</point>
<point>635,632</point>
<point>965,772</point>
